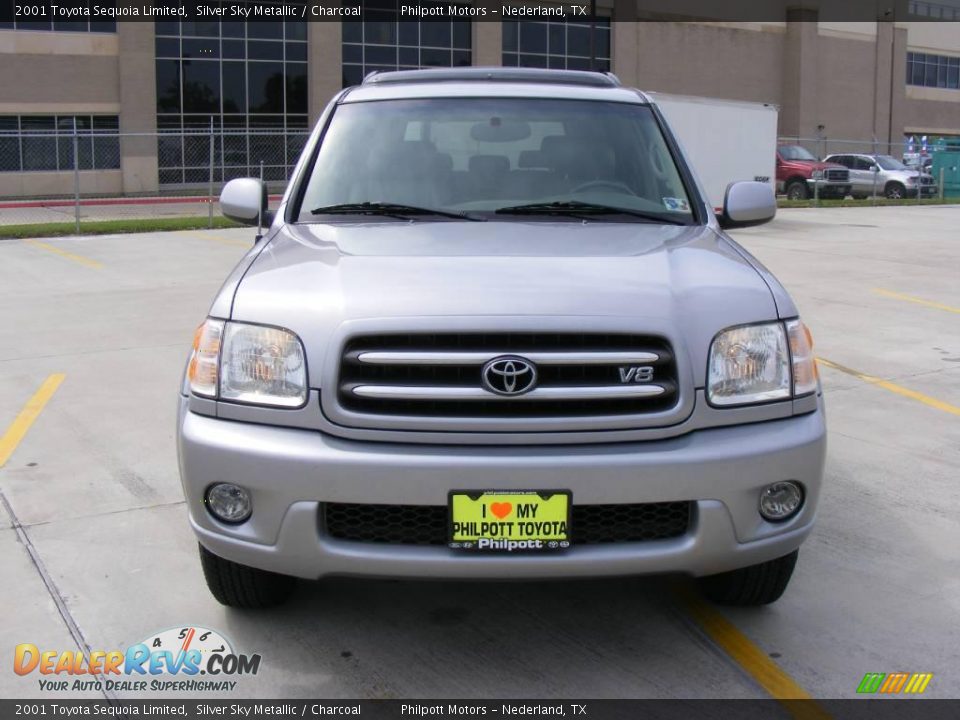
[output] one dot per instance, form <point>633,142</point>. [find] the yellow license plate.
<point>510,521</point>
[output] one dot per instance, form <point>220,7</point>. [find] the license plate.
<point>510,521</point>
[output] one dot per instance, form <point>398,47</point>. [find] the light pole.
<point>593,34</point>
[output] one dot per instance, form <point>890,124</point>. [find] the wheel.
<point>759,584</point>
<point>895,191</point>
<point>240,586</point>
<point>797,190</point>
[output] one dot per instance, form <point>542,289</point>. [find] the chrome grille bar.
<point>453,357</point>
<point>428,392</point>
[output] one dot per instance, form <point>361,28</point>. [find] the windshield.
<point>889,163</point>
<point>481,155</point>
<point>795,152</point>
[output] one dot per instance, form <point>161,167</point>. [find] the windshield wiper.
<point>575,208</point>
<point>388,209</point>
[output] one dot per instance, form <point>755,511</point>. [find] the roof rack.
<point>494,74</point>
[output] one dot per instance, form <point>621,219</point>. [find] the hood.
<point>814,164</point>
<point>687,282</point>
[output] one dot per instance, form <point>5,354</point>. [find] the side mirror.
<point>748,203</point>
<point>245,201</point>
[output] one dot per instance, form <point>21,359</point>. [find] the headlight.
<point>911,180</point>
<point>252,364</point>
<point>818,174</point>
<point>749,364</point>
<point>759,363</point>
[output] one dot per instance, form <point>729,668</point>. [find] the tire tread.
<point>240,586</point>
<point>759,584</point>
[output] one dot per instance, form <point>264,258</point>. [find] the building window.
<point>928,70</point>
<point>249,79</point>
<point>384,42</point>
<point>556,44</point>
<point>937,11</point>
<point>32,143</point>
<point>42,19</point>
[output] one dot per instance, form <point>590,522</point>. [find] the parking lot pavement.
<point>94,485</point>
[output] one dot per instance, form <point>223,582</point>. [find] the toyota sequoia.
<point>494,330</point>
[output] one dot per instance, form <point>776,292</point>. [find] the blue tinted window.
<point>564,45</point>
<point>248,79</point>
<point>385,42</point>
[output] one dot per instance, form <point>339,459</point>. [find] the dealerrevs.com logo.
<point>171,660</point>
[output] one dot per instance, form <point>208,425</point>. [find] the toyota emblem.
<point>509,375</point>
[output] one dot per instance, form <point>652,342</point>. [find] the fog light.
<point>781,500</point>
<point>229,503</point>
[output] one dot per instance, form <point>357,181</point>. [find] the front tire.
<point>895,191</point>
<point>797,190</point>
<point>240,586</point>
<point>759,584</point>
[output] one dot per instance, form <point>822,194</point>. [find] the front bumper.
<point>290,472</point>
<point>828,187</point>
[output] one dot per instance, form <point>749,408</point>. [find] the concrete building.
<point>261,85</point>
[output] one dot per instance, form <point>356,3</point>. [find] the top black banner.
<point>24,12</point>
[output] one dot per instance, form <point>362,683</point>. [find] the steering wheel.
<point>614,184</point>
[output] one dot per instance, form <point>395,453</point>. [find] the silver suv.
<point>884,175</point>
<point>495,330</point>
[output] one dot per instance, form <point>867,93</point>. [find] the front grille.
<point>837,175</point>
<point>926,180</point>
<point>439,375</point>
<point>428,524</point>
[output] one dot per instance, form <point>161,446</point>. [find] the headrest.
<point>489,164</point>
<point>412,156</point>
<point>531,159</point>
<point>561,153</point>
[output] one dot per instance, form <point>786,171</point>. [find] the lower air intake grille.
<point>427,524</point>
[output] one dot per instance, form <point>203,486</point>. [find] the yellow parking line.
<point>95,264</point>
<point>893,387</point>
<point>770,676</point>
<point>918,301</point>
<point>18,428</point>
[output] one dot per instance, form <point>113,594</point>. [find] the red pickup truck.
<point>800,175</point>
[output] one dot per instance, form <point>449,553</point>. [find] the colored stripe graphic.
<point>871,682</point>
<point>893,683</point>
<point>918,683</point>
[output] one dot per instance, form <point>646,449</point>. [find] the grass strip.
<point>105,227</point>
<point>868,202</point>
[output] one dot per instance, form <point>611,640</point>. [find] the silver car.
<point>884,175</point>
<point>495,330</point>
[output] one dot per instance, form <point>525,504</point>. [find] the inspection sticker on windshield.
<point>676,204</point>
<point>510,521</point>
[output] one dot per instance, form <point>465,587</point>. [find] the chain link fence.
<point>82,175</point>
<point>74,174</point>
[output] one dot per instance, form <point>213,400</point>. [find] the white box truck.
<point>726,140</point>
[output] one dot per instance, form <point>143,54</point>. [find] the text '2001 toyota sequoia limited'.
<point>495,330</point>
